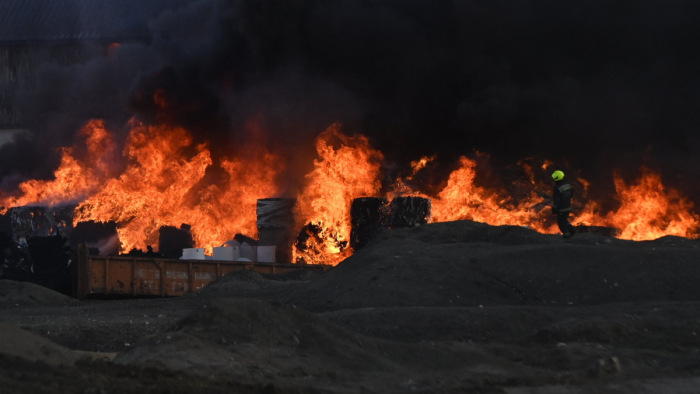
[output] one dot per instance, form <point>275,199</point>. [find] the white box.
<point>249,252</point>
<point>226,253</point>
<point>192,254</point>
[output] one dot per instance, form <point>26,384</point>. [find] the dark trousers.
<point>563,221</point>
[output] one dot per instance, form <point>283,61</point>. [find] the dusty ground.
<point>451,307</point>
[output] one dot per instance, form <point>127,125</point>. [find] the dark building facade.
<point>58,31</point>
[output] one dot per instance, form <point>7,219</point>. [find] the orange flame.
<point>167,180</point>
<point>462,199</point>
<point>153,189</point>
<point>401,189</point>
<point>347,168</point>
<point>648,210</point>
<point>74,179</point>
<point>163,186</point>
<point>418,165</point>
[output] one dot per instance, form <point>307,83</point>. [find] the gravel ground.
<point>447,307</point>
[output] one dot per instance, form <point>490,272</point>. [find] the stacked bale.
<point>409,211</point>
<point>368,217</point>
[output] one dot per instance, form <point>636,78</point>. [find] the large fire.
<point>163,185</point>
<point>347,168</point>
<point>164,178</point>
<point>74,179</point>
<point>648,210</point>
<point>462,199</point>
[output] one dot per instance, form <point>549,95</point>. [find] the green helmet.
<point>558,175</point>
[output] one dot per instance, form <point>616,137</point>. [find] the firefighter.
<point>561,203</point>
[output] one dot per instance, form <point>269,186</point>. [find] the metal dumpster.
<point>153,276</point>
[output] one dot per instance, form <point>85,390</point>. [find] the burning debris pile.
<point>169,180</point>
<point>368,217</point>
<point>35,245</point>
<point>233,133</point>
<point>371,215</point>
<point>199,128</point>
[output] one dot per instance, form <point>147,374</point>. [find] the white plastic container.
<point>266,253</point>
<point>192,254</point>
<point>249,252</point>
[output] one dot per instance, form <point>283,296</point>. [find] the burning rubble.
<point>218,129</point>
<point>169,196</point>
<point>34,241</point>
<point>167,181</point>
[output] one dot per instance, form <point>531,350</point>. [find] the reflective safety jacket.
<point>561,197</point>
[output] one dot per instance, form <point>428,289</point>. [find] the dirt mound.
<point>16,342</point>
<point>470,264</point>
<point>21,294</point>
<point>250,283</point>
<point>237,335</point>
<point>241,281</point>
<point>462,231</point>
<point>448,307</point>
<point>257,341</point>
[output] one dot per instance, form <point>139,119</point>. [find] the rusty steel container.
<point>156,276</point>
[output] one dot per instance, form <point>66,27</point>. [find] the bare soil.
<point>448,307</point>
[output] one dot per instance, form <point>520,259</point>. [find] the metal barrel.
<point>275,221</point>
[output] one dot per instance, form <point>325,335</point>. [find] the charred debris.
<point>35,246</point>
<point>39,243</point>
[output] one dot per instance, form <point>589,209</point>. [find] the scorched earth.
<point>446,307</point>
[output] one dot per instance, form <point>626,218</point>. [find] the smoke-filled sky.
<point>593,85</point>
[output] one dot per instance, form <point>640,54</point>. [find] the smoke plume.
<point>594,86</point>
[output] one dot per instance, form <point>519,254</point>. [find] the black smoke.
<point>592,85</point>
